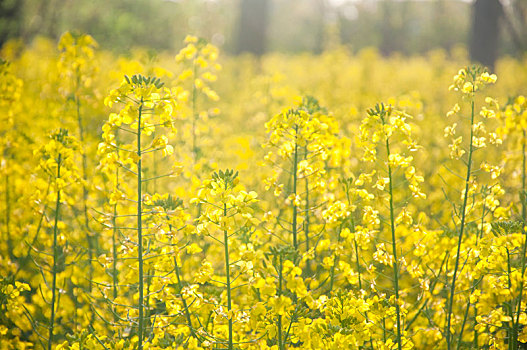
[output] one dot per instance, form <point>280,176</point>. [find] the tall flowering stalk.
<point>198,58</point>
<point>146,106</point>
<point>10,93</point>
<point>77,70</point>
<point>300,143</point>
<point>198,68</point>
<point>383,127</point>
<point>172,236</point>
<point>514,130</point>
<point>57,163</point>
<point>227,213</point>
<point>357,223</point>
<point>468,81</point>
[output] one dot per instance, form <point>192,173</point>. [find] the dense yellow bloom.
<point>219,260</point>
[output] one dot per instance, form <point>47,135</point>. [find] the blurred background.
<point>487,28</point>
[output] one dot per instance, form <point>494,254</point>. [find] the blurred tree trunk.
<point>52,16</point>
<point>388,37</point>
<point>321,26</point>
<point>485,32</point>
<point>252,30</point>
<point>10,19</point>
<point>440,23</point>
<point>42,17</point>
<point>395,29</point>
<point>514,21</point>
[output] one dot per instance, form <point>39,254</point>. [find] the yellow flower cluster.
<point>351,228</point>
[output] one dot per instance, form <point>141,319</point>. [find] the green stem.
<point>473,288</point>
<point>295,209</point>
<point>184,301</point>
<point>512,335</point>
<point>89,237</point>
<point>279,325</point>
<point>465,317</point>
<point>139,230</point>
<point>8,218</point>
<point>227,272</point>
<point>155,176</point>
<point>147,301</point>
<point>384,329</point>
<point>55,258</point>
<point>335,262</point>
<point>357,262</point>
<point>115,272</point>
<point>461,231</point>
<point>114,243</point>
<point>524,179</point>
<point>475,346</point>
<point>194,114</point>
<point>35,237</point>
<point>114,255</point>
<point>523,200</point>
<point>394,249</point>
<point>306,225</point>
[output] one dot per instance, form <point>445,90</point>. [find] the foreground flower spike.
<point>57,163</point>
<point>467,82</point>
<point>147,106</point>
<point>10,141</point>
<point>381,127</point>
<point>513,129</point>
<point>300,143</point>
<point>227,213</point>
<point>77,67</point>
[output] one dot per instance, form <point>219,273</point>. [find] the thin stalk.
<point>461,231</point>
<point>227,272</point>
<point>279,325</point>
<point>147,301</point>
<point>335,262</point>
<point>465,317</point>
<point>523,200</point>
<point>473,288</point>
<point>35,237</point>
<point>155,177</point>
<point>8,218</point>
<point>394,249</point>
<point>384,329</point>
<point>140,230</point>
<point>194,125</point>
<point>475,346</point>
<point>115,279</point>
<point>358,263</point>
<point>114,255</point>
<point>89,237</point>
<point>114,241</point>
<point>295,209</point>
<point>511,331</point>
<point>151,271</point>
<point>524,178</point>
<point>55,258</point>
<point>194,113</point>
<point>184,301</point>
<point>306,218</point>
